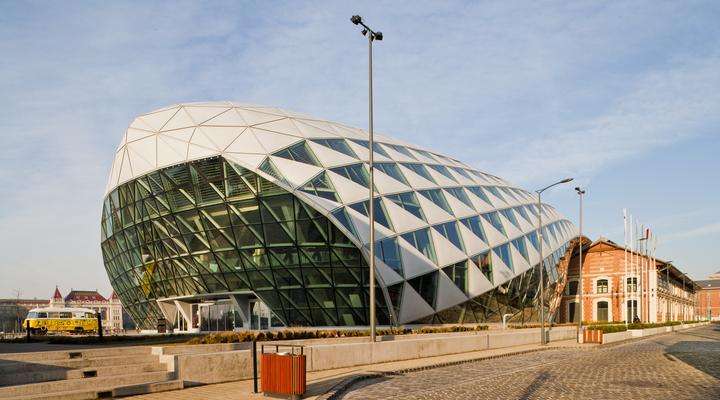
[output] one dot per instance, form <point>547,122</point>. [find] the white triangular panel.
<point>157,119</point>
<point>328,157</point>
<point>402,220</point>
<point>461,179</point>
<point>385,184</point>
<point>115,171</point>
<point>532,254</point>
<point>494,236</point>
<point>180,120</point>
<point>125,168</point>
<point>441,179</point>
<point>477,282</point>
<point>415,180</point>
<point>203,114</point>
<point>228,118</point>
<point>348,132</point>
<point>473,244</point>
<point>501,272</point>
<point>142,155</point>
<point>520,264</point>
<point>480,205</point>
<point>349,191</point>
<point>496,202</point>
<point>246,142</point>
<point>445,251</point>
<point>181,134</point>
<point>199,138</point>
<point>460,209</point>
<point>510,228</point>
<point>413,306</point>
<point>272,141</point>
<point>448,294</point>
<point>388,275</point>
<point>295,173</point>
<point>326,205</point>
<point>170,151</point>
<point>196,152</point>
<point>285,126</point>
<point>362,225</point>
<point>255,118</point>
<point>310,131</point>
<point>222,136</point>
<point>414,262</point>
<point>140,124</point>
<point>246,160</point>
<point>363,154</point>
<point>396,155</point>
<point>433,213</point>
<point>136,134</point>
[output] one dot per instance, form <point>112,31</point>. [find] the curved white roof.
<point>256,137</point>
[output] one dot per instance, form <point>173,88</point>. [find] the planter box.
<point>592,336</point>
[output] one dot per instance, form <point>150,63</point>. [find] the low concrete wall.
<point>616,336</point>
<point>222,363</point>
<point>636,333</point>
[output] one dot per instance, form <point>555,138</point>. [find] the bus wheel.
<point>79,330</point>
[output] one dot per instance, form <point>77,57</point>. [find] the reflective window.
<point>458,274</point>
<point>376,146</point>
<point>602,311</point>
<point>443,171</point>
<point>572,288</point>
<point>402,150</point>
<point>494,219</point>
<point>460,194</point>
<point>631,284</point>
<point>426,286</point>
<point>602,286</point>
<point>473,223</point>
<point>320,186</point>
<point>462,171</point>
<point>504,253</point>
<point>420,239</point>
<point>409,202</point>
<point>477,191</point>
<point>380,214</point>
<point>337,145</point>
<point>420,170</point>
<point>450,231</point>
<point>437,197</point>
<point>355,173</point>
<point>494,190</point>
<point>299,152</point>
<point>519,244</point>
<point>387,250</point>
<point>392,170</point>
<point>510,215</point>
<point>484,262</point>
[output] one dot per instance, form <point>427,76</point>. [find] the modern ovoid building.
<point>709,297</point>
<point>221,215</point>
<point>620,284</point>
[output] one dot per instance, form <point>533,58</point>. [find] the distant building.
<point>651,289</point>
<point>110,308</point>
<point>13,312</point>
<point>709,297</point>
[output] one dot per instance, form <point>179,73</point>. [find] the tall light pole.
<point>581,193</point>
<point>542,262</point>
<point>372,36</point>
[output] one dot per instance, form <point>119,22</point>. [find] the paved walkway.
<point>682,365</point>
<point>322,381</point>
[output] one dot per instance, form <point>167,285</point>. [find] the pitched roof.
<point>57,295</point>
<point>84,295</point>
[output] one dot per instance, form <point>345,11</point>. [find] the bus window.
<point>65,314</point>
<point>42,315</point>
<point>32,314</point>
<point>92,315</point>
<point>53,315</point>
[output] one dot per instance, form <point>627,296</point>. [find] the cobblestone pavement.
<point>684,365</point>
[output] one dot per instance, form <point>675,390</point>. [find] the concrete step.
<point>60,373</point>
<point>88,384</point>
<point>11,366</point>
<point>110,392</point>
<point>74,354</point>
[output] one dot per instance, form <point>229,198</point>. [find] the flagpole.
<point>625,265</point>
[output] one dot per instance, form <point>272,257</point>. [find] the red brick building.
<point>709,297</point>
<point>619,284</point>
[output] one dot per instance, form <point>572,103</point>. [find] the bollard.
<point>27,330</point>
<point>254,361</point>
<point>100,328</point>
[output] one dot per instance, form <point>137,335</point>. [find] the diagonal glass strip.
<point>339,145</point>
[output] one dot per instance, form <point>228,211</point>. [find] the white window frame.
<point>610,308</point>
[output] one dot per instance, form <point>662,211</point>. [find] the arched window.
<point>602,310</point>
<point>572,288</point>
<point>602,286</point>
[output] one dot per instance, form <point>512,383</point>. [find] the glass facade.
<point>211,226</point>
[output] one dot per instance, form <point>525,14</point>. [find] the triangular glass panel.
<point>460,194</point>
<point>419,169</point>
<point>532,237</point>
<point>438,198</point>
<point>519,244</point>
<point>337,145</point>
<point>376,146</point>
<point>450,231</point>
<point>320,186</point>
<point>355,173</point>
<point>342,217</point>
<point>299,152</point>
<point>409,202</point>
<point>422,241</point>
<point>474,224</point>
<point>387,250</point>
<point>494,219</point>
<point>379,210</point>
<point>425,286</point>
<point>458,274</point>
<point>442,170</point>
<point>510,215</point>
<point>392,170</point>
<point>503,252</point>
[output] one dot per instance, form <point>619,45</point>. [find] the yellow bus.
<point>61,319</point>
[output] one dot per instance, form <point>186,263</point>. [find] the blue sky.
<point>621,95</point>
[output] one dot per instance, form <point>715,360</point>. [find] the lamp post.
<point>372,36</point>
<point>540,237</point>
<point>580,193</point>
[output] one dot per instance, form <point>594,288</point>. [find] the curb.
<point>342,387</point>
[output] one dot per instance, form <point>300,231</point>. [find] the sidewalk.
<point>321,382</point>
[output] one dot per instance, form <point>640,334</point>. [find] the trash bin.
<point>161,325</point>
<point>283,373</point>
